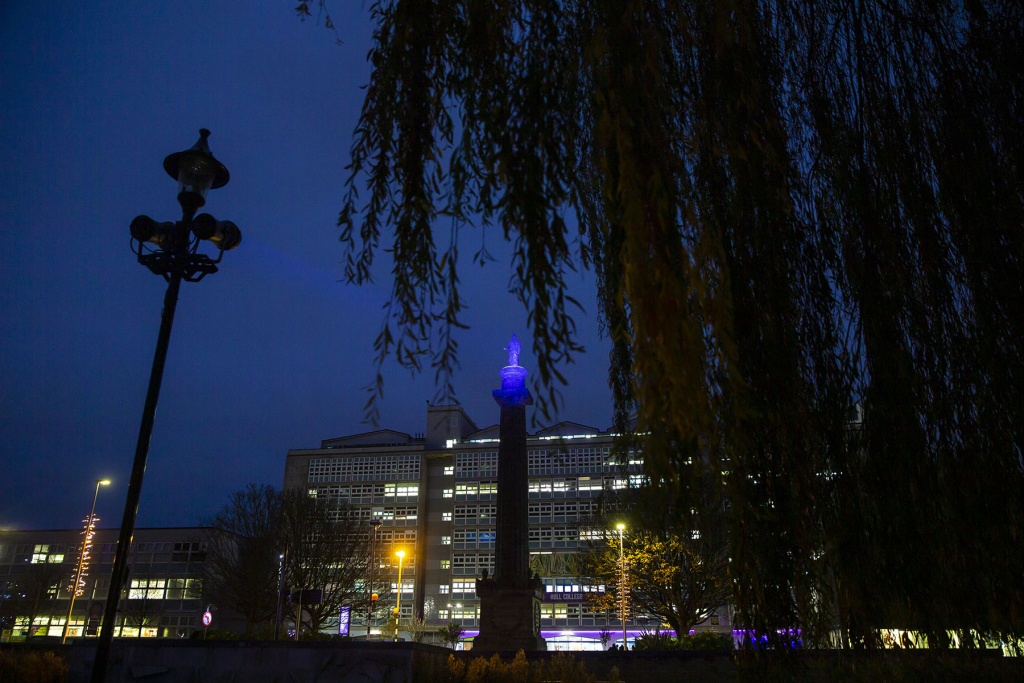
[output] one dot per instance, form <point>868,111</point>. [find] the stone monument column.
<point>510,600</point>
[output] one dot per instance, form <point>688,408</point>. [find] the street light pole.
<point>281,559</point>
<point>398,601</point>
<point>375,523</point>
<point>76,585</point>
<point>623,597</point>
<point>171,251</point>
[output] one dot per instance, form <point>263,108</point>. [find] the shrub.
<point>214,634</point>
<point>451,633</point>
<point>560,667</point>
<point>32,667</point>
<point>706,640</point>
<point>655,641</point>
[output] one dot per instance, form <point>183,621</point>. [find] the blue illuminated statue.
<point>513,349</point>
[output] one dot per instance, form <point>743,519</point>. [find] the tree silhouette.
<point>327,551</point>
<point>242,558</point>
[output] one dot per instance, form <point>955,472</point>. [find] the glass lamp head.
<point>197,172</point>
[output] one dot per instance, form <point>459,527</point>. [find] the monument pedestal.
<point>509,617</point>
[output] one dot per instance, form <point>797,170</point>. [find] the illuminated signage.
<point>343,620</point>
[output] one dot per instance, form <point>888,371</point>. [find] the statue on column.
<point>513,349</point>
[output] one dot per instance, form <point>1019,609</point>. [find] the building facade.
<point>162,598</point>
<point>435,495</point>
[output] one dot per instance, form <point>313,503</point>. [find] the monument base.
<point>509,618</point>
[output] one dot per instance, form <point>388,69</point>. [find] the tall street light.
<point>398,601</point>
<point>76,586</point>
<point>623,590</point>
<point>375,523</point>
<point>170,250</point>
<point>281,561</point>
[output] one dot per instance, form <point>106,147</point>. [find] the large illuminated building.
<point>435,494</point>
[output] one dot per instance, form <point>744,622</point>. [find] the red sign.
<point>207,618</point>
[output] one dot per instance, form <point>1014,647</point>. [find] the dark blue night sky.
<point>270,353</point>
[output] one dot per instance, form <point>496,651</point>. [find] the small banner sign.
<point>344,619</point>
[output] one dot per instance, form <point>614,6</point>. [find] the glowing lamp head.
<point>400,554</point>
<point>197,172</point>
<point>620,527</point>
<point>374,597</point>
<point>104,482</point>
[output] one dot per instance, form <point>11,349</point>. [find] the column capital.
<point>510,398</point>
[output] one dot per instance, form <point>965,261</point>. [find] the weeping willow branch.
<point>805,219</point>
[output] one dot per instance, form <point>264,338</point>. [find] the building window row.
<point>471,539</point>
<point>42,554</point>
<point>562,584</point>
<point>364,468</point>
<point>367,494</point>
<point>576,460</point>
<point>399,515</point>
<point>401,538</point>
<point>562,511</point>
<point>161,589</point>
<point>475,514</point>
<point>483,490</point>
<point>580,487</point>
<point>554,537</point>
<point>471,564</point>
<point>474,465</point>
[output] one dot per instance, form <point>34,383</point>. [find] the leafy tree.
<point>451,634</point>
<point>676,559</point>
<point>390,628</point>
<point>417,627</point>
<point>667,577</point>
<point>241,568</point>
<point>327,551</point>
<point>800,215</point>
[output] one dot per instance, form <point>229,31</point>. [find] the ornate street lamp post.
<point>623,587</point>
<point>170,250</point>
<point>398,601</point>
<point>76,585</point>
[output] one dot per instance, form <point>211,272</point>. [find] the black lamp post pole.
<point>131,506</point>
<point>374,523</point>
